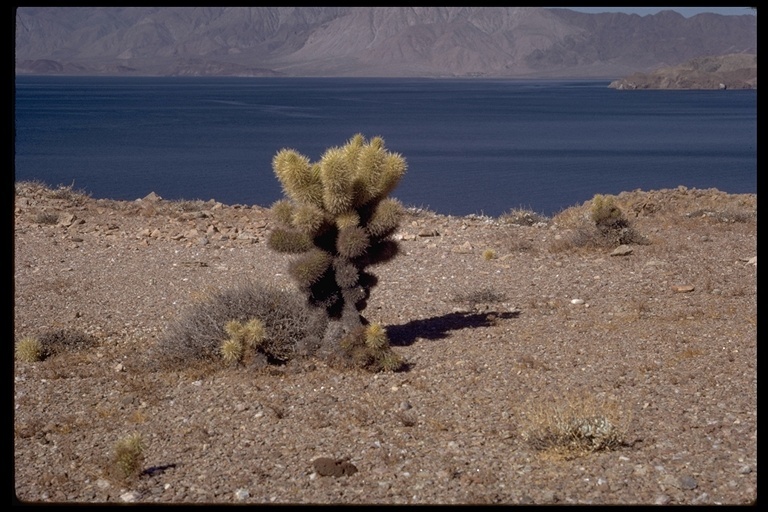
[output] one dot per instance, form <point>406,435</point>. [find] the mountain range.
<point>504,42</point>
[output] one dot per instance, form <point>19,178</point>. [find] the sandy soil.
<point>542,368</point>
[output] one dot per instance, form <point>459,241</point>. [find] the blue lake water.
<point>472,146</point>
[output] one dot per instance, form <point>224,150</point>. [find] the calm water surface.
<point>472,146</point>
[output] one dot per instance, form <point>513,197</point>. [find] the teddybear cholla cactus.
<point>338,219</point>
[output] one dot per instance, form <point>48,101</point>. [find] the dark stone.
<point>326,466</point>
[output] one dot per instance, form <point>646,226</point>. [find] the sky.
<point>685,11</point>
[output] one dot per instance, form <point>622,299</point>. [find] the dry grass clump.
<point>47,218</point>
<point>69,194</point>
<point>603,226</point>
<point>128,457</point>
<point>50,343</point>
<point>290,328</point>
<point>489,254</point>
<point>574,426</point>
<point>522,217</point>
<point>482,295</point>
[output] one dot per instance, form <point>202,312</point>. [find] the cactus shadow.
<point>439,327</point>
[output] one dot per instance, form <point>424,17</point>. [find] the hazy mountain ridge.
<point>367,41</point>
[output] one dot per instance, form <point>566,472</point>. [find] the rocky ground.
<point>544,366</point>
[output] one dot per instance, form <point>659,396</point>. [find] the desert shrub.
<point>128,457</point>
<point>187,205</point>
<point>48,218</point>
<point>56,341</point>
<point>611,222</point>
<point>574,426</point>
<point>522,217</point>
<point>29,349</point>
<point>69,194</point>
<point>604,227</point>
<point>291,328</point>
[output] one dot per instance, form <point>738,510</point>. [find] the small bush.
<point>612,223</point>
<point>521,217</point>
<point>489,254</point>
<point>128,457</point>
<point>48,218</point>
<point>57,341</point>
<point>574,426</point>
<point>482,295</point>
<point>69,194</point>
<point>185,205</point>
<point>290,327</point>
<point>604,227</point>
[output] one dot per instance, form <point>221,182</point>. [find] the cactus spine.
<point>338,220</point>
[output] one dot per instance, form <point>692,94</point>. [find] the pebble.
<point>129,497</point>
<point>577,301</point>
<point>688,482</point>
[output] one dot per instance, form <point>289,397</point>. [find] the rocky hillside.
<point>367,41</point>
<point>738,71</point>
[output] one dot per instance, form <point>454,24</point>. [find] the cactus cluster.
<point>337,220</point>
<point>368,347</point>
<point>242,336</point>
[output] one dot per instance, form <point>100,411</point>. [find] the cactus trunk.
<point>337,220</point>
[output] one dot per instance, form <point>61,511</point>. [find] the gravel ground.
<point>542,369</point>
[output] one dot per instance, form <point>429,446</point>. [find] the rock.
<point>688,483</point>
<point>464,248</point>
<point>151,197</point>
<point>67,219</point>
<point>325,466</point>
<point>622,250</point>
<point>129,497</point>
<point>684,288</point>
